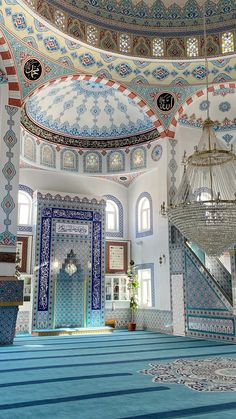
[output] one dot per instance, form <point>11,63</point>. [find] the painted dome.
<point>133,26</point>
<point>87,113</point>
<point>221,106</point>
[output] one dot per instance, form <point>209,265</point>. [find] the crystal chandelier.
<point>204,207</point>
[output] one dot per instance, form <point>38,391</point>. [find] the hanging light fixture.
<point>70,263</point>
<point>204,207</point>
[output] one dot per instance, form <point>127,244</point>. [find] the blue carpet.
<point>95,377</point>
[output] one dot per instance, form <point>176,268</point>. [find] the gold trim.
<point>11,303</point>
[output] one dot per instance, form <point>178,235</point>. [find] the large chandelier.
<point>204,207</point>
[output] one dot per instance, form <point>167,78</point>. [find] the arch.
<point>14,90</point>
<point>26,189</point>
<point>149,230</point>
<point>111,83</point>
<point>120,231</point>
<point>211,89</point>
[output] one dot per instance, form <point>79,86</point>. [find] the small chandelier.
<point>204,207</point>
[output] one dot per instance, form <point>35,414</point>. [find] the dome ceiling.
<point>222,110</point>
<point>132,26</point>
<point>87,114</point>
<point>148,13</point>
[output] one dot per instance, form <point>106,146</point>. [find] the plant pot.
<point>131,326</point>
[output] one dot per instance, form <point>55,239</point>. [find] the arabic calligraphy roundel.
<point>32,69</point>
<point>165,102</point>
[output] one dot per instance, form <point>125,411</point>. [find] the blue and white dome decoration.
<point>87,109</point>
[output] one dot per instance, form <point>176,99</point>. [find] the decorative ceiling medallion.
<point>32,69</point>
<point>157,152</point>
<point>87,143</point>
<point>165,102</point>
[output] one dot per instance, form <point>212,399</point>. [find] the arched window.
<point>29,149</point>
<point>144,215</point>
<point>24,208</point>
<point>157,47</point>
<point>92,162</point>
<point>138,158</point>
<point>144,222</point>
<point>47,157</point>
<point>69,160</point>
<point>192,47</point>
<point>115,161</point>
<point>92,35</point>
<point>227,42</point>
<point>112,217</point>
<point>125,43</point>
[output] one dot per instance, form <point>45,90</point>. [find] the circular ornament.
<point>157,152</point>
<point>32,69</point>
<point>165,102</point>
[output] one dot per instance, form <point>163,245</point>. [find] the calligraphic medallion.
<point>165,102</point>
<point>32,69</point>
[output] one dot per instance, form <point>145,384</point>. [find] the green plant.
<point>133,285</point>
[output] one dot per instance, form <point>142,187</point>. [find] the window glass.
<point>125,43</point>
<point>227,42</point>
<point>144,215</point>
<point>145,291</point>
<point>112,217</point>
<point>24,208</point>
<point>192,47</point>
<point>158,47</point>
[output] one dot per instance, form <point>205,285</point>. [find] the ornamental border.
<point>14,90</point>
<point>47,215</point>
<point>143,34</point>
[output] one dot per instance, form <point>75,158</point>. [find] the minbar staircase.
<point>208,300</point>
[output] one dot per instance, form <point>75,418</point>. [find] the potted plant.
<point>133,285</point>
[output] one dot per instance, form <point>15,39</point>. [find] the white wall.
<point>148,249</point>
<point>76,184</point>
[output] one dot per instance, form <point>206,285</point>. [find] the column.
<point>11,289</point>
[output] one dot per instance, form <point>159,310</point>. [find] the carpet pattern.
<point>96,377</point>
<point>216,374</point>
